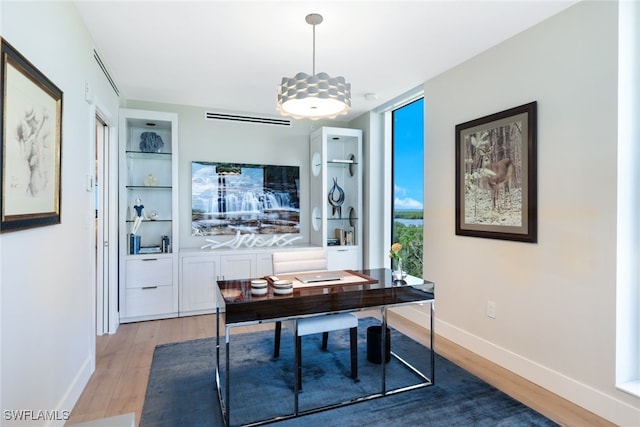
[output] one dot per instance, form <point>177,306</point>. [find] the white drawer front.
<point>149,301</point>
<point>149,272</point>
<point>343,258</point>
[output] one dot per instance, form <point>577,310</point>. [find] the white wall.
<point>375,238</point>
<point>628,280</point>
<point>555,299</point>
<point>47,304</point>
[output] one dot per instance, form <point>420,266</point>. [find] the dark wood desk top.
<point>378,289</point>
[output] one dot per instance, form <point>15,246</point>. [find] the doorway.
<point>105,237</point>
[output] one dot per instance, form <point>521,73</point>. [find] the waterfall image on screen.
<point>227,198</point>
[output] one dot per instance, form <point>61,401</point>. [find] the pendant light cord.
<point>314,49</point>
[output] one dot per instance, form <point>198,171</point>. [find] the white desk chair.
<point>305,261</point>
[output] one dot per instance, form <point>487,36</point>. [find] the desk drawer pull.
<point>149,287</point>
<point>150,259</point>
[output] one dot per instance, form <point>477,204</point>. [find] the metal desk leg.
<point>223,404</point>
<point>217,341</point>
<point>433,354</point>
<point>227,377</point>
<point>296,366</point>
<point>383,349</point>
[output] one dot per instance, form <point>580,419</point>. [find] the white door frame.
<point>106,268</point>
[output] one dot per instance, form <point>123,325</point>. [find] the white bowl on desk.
<point>282,287</point>
<point>259,291</point>
<point>283,284</point>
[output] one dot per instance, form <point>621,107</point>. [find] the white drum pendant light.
<point>314,96</point>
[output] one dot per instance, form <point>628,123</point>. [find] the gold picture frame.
<point>31,144</point>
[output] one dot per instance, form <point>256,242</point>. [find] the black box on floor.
<point>374,344</point>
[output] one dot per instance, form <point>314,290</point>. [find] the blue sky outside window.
<point>408,141</point>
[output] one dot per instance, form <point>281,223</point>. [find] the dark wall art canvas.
<point>31,144</point>
<point>496,177</point>
<point>228,198</point>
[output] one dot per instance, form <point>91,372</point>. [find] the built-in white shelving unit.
<point>148,177</point>
<point>336,195</point>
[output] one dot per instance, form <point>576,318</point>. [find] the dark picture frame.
<point>31,122</point>
<point>496,175</point>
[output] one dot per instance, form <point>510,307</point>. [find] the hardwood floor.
<point>123,361</point>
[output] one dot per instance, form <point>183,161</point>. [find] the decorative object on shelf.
<point>352,164</point>
<point>151,180</point>
<point>352,216</point>
<point>31,141</point>
<point>153,215</point>
<point>348,237</point>
<point>252,240</point>
<point>166,244</point>
<point>134,244</point>
<point>151,142</point>
<point>396,261</point>
<point>343,237</point>
<point>313,96</point>
<point>140,214</point>
<point>336,203</point>
<point>150,250</point>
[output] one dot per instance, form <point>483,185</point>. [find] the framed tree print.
<point>496,175</point>
<point>31,144</point>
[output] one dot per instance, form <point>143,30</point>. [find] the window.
<point>628,209</point>
<point>408,177</point>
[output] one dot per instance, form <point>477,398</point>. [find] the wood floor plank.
<point>129,392</point>
<point>95,398</point>
<point>123,362</point>
<point>170,331</point>
<point>147,333</point>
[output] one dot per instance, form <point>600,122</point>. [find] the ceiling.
<point>231,55</point>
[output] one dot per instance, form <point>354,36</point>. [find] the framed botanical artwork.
<point>496,175</point>
<point>31,144</point>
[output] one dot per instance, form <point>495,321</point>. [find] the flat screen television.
<point>227,198</point>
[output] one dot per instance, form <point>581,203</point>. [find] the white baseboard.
<point>605,406</point>
<point>601,404</point>
<point>198,312</point>
<point>71,396</point>
<point>414,313</point>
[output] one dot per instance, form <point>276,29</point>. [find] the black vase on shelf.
<point>336,203</point>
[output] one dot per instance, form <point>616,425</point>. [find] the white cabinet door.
<point>198,287</point>
<point>241,266</point>
<point>264,265</point>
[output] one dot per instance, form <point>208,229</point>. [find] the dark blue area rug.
<point>181,389</point>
